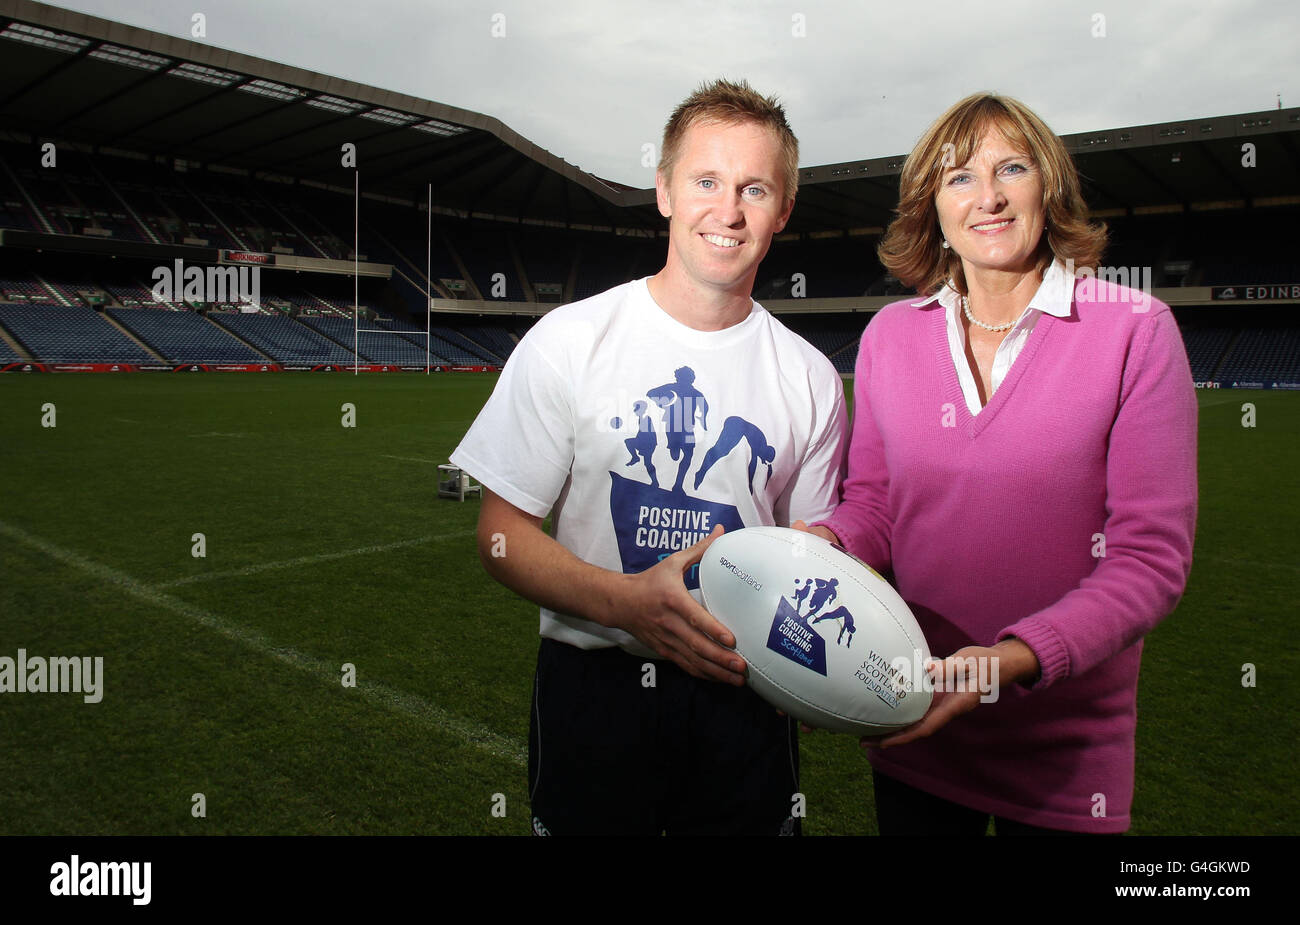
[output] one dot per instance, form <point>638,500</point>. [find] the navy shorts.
<point>610,753</point>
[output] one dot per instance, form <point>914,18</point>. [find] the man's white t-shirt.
<point>639,434</point>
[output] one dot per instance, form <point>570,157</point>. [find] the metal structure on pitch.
<point>357,330</point>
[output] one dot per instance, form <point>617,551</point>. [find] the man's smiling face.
<point>724,200</point>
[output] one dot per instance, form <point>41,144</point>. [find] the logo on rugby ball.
<point>792,634</point>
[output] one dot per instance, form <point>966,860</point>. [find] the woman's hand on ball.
<point>961,681</point>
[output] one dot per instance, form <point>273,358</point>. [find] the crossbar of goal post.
<point>357,330</point>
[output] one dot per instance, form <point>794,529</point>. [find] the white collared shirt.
<point>1054,296</point>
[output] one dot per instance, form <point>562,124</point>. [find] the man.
<point>640,720</point>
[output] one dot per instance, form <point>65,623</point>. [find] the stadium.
<point>297,635</point>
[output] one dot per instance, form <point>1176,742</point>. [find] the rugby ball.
<point>827,640</point>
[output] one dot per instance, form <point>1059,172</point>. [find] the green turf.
<point>222,677</point>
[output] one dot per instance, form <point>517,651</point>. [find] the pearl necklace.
<point>995,328</point>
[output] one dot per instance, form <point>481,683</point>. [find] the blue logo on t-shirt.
<point>652,522</point>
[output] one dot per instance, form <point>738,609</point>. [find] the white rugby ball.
<point>827,640</point>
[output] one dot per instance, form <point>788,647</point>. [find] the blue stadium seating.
<point>1205,346</point>
<point>494,339</point>
<point>20,289</point>
<point>375,348</point>
<point>1263,355</point>
<point>8,354</point>
<point>184,337</point>
<point>474,353</point>
<point>283,339</point>
<point>453,354</point>
<point>69,334</point>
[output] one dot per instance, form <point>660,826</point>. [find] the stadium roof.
<point>81,79</point>
<point>70,76</point>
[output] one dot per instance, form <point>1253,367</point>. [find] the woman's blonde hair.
<point>912,248</point>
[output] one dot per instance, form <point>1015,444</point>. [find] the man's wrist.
<point>606,601</point>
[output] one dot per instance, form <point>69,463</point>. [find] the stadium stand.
<point>496,339</point>
<point>120,204</point>
<point>392,236</point>
<point>283,339</point>
<point>476,353</point>
<point>69,334</point>
<point>490,259</point>
<point>8,354</point>
<point>835,335</point>
<point>69,289</point>
<point>376,348</point>
<point>184,337</point>
<point>547,258</point>
<point>128,199</point>
<point>137,295</point>
<point>602,262</point>
<point>1262,355</point>
<point>451,353</point>
<point>830,268</point>
<point>1205,348</point>
<point>24,290</point>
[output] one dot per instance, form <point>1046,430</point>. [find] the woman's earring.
<point>946,245</point>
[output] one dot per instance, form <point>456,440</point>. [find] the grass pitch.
<point>328,546</point>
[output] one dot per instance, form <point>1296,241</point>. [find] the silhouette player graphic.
<point>643,444</point>
<point>801,590</point>
<point>846,625</point>
<point>680,402</point>
<point>735,429</point>
<point>824,594</point>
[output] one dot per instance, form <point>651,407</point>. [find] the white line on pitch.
<point>409,458</point>
<point>326,672</point>
<point>311,560</point>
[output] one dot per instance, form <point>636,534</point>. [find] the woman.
<point>1024,460</point>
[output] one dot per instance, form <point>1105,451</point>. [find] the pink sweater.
<point>989,525</point>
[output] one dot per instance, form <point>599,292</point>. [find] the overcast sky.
<point>594,81</point>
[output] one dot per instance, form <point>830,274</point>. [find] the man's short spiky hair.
<point>729,103</point>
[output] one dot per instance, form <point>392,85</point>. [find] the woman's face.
<point>991,208</point>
